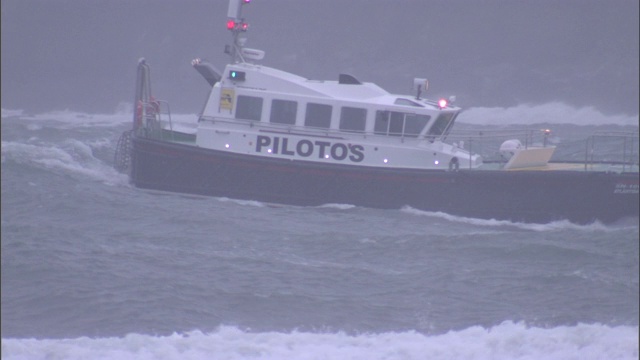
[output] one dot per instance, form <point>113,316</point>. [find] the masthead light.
<point>233,25</point>
<point>442,103</point>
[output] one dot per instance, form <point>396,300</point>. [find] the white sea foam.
<point>551,226</point>
<point>72,119</point>
<point>244,202</point>
<point>505,341</point>
<point>74,158</point>
<point>554,113</point>
<point>10,113</point>
<point>338,206</point>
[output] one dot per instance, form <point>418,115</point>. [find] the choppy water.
<point>94,268</point>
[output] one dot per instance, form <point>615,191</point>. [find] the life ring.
<point>454,164</point>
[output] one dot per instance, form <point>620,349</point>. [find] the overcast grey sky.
<point>81,54</point>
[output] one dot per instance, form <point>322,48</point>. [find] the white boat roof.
<point>259,77</point>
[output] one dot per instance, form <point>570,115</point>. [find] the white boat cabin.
<point>258,110</point>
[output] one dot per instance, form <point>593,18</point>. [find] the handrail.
<point>168,112</point>
<point>154,120</point>
<point>308,130</point>
<point>526,134</point>
<point>483,142</point>
<point>629,148</point>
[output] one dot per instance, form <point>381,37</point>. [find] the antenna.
<point>236,25</point>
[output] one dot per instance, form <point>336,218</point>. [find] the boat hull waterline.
<point>519,196</point>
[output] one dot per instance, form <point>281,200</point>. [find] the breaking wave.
<point>505,341</point>
<point>552,226</point>
<point>549,113</point>
<point>73,119</point>
<point>74,158</point>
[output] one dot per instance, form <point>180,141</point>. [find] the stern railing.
<point>612,147</point>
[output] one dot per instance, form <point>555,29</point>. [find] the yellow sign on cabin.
<point>226,99</point>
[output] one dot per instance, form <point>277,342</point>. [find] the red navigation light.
<point>244,26</point>
<point>231,24</point>
<point>442,103</point>
<point>246,1</point>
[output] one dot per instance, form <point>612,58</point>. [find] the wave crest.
<point>505,341</point>
<point>549,113</point>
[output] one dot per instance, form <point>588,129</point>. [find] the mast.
<point>237,25</point>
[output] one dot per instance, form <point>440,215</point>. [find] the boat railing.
<point>602,150</point>
<point>308,130</point>
<point>619,148</point>
<point>487,142</point>
<point>157,120</point>
<point>526,136</point>
<point>164,117</point>
<point>616,148</point>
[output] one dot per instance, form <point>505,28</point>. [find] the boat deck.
<point>623,159</point>
<point>568,166</point>
<point>491,165</point>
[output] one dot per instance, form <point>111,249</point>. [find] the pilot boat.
<point>271,136</point>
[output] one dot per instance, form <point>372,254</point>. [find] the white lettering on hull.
<point>307,148</point>
<point>627,189</point>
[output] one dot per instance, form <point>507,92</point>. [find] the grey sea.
<point>93,268</point>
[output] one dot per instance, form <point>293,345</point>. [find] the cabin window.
<point>318,115</point>
<point>440,125</point>
<point>284,111</point>
<point>414,123</point>
<point>395,123</point>
<point>249,108</point>
<point>353,119</point>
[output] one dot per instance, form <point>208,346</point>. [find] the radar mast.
<point>237,25</point>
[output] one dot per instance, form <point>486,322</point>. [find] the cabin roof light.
<point>442,103</point>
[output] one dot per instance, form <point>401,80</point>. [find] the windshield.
<point>441,125</point>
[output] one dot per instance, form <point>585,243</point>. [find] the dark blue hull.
<point>522,196</point>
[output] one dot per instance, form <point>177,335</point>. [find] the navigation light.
<point>237,75</point>
<point>442,103</point>
<point>233,25</point>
